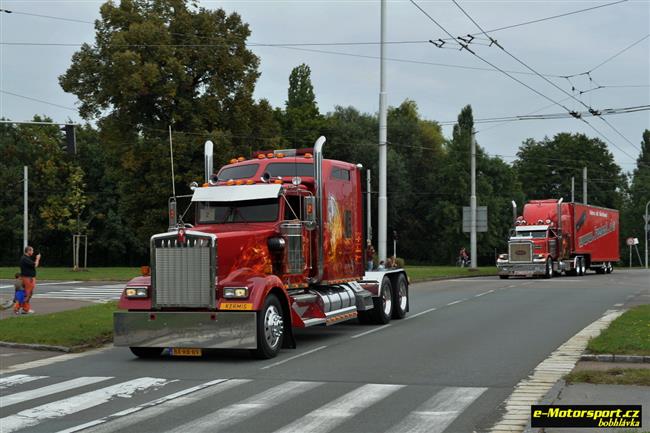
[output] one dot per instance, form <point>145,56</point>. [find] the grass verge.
<point>423,273</point>
<point>67,274</point>
<point>627,335</point>
<point>88,326</point>
<point>615,376</point>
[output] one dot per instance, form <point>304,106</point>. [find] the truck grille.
<point>521,252</point>
<point>184,273</point>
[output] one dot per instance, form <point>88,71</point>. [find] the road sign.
<point>646,218</point>
<point>481,219</point>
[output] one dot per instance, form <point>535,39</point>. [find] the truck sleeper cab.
<point>268,253</point>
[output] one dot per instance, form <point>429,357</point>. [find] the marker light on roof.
<point>233,161</point>
<point>308,155</point>
<point>241,158</point>
<point>261,156</point>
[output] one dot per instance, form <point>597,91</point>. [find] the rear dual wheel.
<point>548,271</point>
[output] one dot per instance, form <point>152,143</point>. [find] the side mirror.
<point>213,179</point>
<point>309,211</point>
<point>266,177</point>
<point>194,186</point>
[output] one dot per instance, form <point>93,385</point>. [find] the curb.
<point>46,347</point>
<point>615,358</point>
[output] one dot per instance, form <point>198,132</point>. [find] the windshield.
<point>253,211</point>
<point>238,172</point>
<point>530,233</point>
<point>286,169</point>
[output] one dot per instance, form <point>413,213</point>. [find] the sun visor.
<point>237,192</point>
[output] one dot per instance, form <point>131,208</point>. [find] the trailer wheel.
<point>504,277</point>
<point>270,329</point>
<point>146,352</point>
<point>610,268</point>
<point>548,273</point>
<point>581,267</point>
<point>383,305</point>
<point>401,298</point>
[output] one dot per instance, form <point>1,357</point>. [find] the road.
<point>448,367</point>
<point>76,290</point>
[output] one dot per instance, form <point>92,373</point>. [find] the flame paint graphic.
<point>254,255</point>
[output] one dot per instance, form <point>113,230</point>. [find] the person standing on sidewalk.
<point>28,274</point>
<point>19,294</point>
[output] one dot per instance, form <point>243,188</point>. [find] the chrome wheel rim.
<point>387,301</point>
<point>273,326</point>
<point>403,297</point>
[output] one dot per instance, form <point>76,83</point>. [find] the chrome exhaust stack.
<point>559,226</point>
<point>514,212</point>
<point>318,180</point>
<point>208,159</point>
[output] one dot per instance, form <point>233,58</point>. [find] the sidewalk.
<point>46,306</point>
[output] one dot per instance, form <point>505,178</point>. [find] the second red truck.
<point>583,237</point>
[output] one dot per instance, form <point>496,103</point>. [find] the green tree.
<point>301,121</point>
<point>159,63</point>
<point>545,169</point>
<point>639,195</point>
<point>57,191</point>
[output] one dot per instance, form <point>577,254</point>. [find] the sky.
<point>418,71</point>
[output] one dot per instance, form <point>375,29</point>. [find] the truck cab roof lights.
<point>233,161</point>
<point>241,158</point>
<point>279,155</point>
<point>270,155</point>
<point>308,155</point>
<point>261,156</point>
<point>278,180</point>
<point>250,182</point>
<point>230,182</point>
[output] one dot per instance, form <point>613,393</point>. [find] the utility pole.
<point>472,203</point>
<point>368,204</point>
<point>25,206</point>
<point>573,189</point>
<point>647,225</point>
<point>584,185</point>
<point>383,134</point>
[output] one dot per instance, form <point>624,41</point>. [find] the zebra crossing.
<point>64,405</point>
<point>92,293</point>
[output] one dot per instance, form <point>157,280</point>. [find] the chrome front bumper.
<point>207,330</point>
<point>521,269</point>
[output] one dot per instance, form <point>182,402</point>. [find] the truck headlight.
<point>136,292</point>
<point>539,256</point>
<point>503,257</point>
<point>235,292</point>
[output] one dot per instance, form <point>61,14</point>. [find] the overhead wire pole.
<point>25,206</point>
<point>647,226</point>
<point>382,220</point>
<point>472,203</point>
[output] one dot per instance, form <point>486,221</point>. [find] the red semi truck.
<point>585,237</point>
<point>277,244</point>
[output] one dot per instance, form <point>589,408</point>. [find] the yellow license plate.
<point>181,351</point>
<point>236,306</point>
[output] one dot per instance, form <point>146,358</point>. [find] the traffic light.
<point>70,144</point>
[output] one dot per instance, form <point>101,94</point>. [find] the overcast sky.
<point>563,46</point>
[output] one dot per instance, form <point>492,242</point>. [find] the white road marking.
<point>17,379</point>
<point>336,412</point>
<point>421,313</point>
<point>52,360</point>
<point>484,293</point>
<point>618,305</point>
<point>155,408</point>
<point>60,283</point>
<point>456,302</point>
<point>292,358</point>
<point>434,415</point>
<point>237,412</point>
<point>532,389</point>
<point>19,397</point>
<point>36,415</point>
<point>370,331</point>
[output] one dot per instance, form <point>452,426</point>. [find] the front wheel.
<point>270,329</point>
<point>504,277</point>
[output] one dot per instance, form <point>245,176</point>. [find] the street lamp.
<point>647,223</point>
